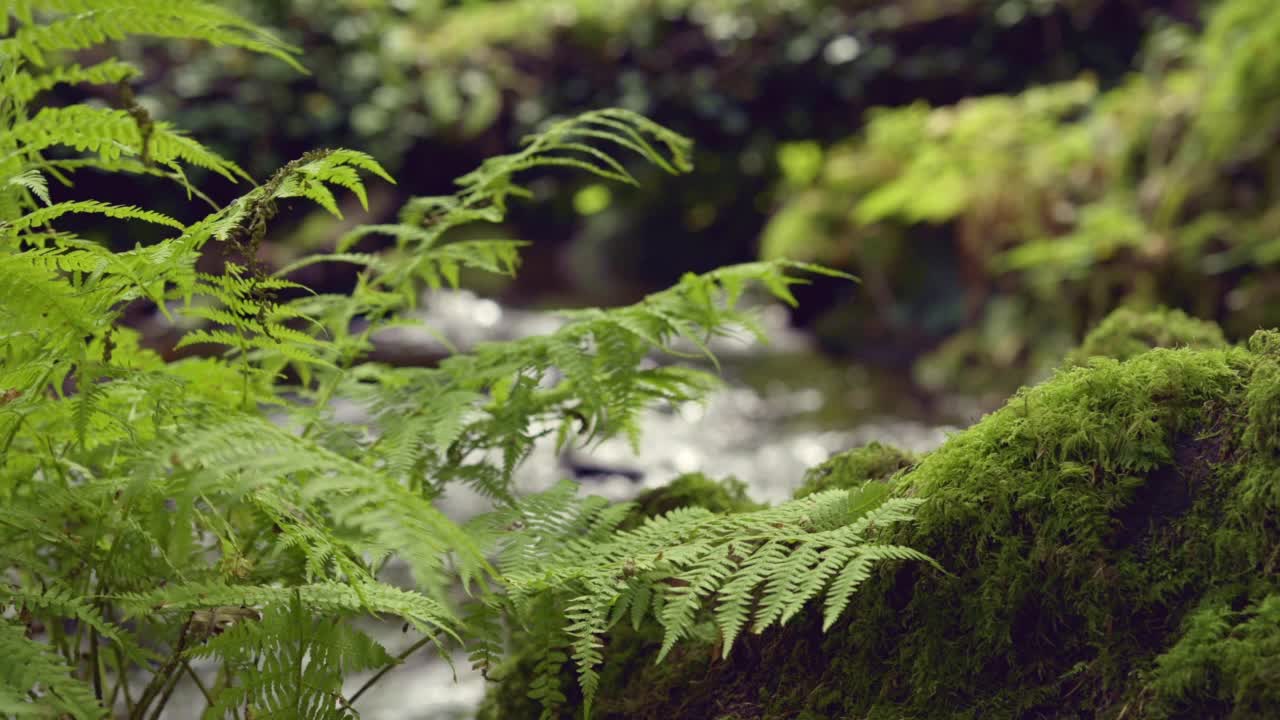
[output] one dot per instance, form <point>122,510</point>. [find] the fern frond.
<point>500,257</point>
<point>62,603</point>
<point>310,177</point>
<point>700,580</point>
<point>233,452</point>
<point>292,663</point>
<point>426,615</point>
<point>22,87</point>
<point>31,670</point>
<point>167,146</point>
<point>120,212</point>
<point>561,145</point>
<point>545,687</point>
<point>114,136</point>
<point>482,619</point>
<point>768,563</point>
<point>588,618</point>
<point>45,316</point>
<point>308,535</point>
<point>86,23</point>
<point>32,181</point>
<point>738,595</point>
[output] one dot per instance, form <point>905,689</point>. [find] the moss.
<point>1265,343</point>
<point>854,467</point>
<point>1127,332</point>
<point>1227,659</point>
<point>1111,547</point>
<point>691,490</point>
<point>1263,403</point>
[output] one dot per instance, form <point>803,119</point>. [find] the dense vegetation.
<point>157,512</point>
<point>802,109</point>
<point>1111,549</point>
<point>1046,209</point>
<point>999,175</point>
<point>432,87</point>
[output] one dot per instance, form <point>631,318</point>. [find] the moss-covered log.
<point>1112,545</point>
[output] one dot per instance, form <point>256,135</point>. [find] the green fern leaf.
<point>32,668</point>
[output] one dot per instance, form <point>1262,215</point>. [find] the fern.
<point>66,603</point>
<point>23,87</point>
<point>291,663</point>
<point>755,569</point>
<point>154,512</point>
<point>86,23</point>
<point>36,681</point>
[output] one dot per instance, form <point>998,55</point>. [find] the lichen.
<point>1097,532</point>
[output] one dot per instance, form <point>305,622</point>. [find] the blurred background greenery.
<point>1000,173</point>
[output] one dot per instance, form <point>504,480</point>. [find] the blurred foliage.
<point>394,71</point>
<point>1020,167</point>
<point>1046,209</point>
<point>431,86</point>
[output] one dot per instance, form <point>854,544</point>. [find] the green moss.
<point>1127,332</point>
<point>1265,343</point>
<point>1227,659</point>
<point>852,468</point>
<point>1263,403</point>
<point>691,490</point>
<point>1107,535</point>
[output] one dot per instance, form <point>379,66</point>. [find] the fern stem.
<point>223,680</point>
<point>345,703</point>
<point>153,688</point>
<point>122,682</point>
<point>110,701</point>
<point>300,619</point>
<point>169,687</point>
<point>161,677</point>
<point>95,664</point>
<point>322,399</point>
<point>77,641</point>
<point>199,684</point>
<point>388,668</point>
<point>13,433</point>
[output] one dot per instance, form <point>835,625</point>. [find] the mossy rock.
<point>1112,551</point>
<point>1230,652</point>
<point>1127,332</point>
<point>852,468</point>
<point>691,490</point>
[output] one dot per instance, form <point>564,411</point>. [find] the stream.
<point>781,410</point>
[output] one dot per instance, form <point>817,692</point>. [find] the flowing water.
<point>782,410</point>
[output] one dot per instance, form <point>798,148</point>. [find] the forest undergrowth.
<point>156,510</point>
